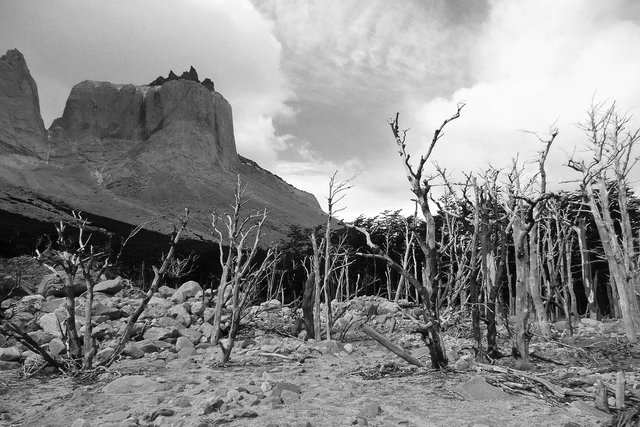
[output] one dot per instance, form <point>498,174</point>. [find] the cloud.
<point>537,63</point>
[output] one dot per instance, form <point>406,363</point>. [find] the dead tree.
<point>76,257</point>
<point>612,147</point>
<point>421,187</point>
<point>525,214</point>
<point>240,276</point>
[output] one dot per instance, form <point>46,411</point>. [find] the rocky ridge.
<point>126,154</point>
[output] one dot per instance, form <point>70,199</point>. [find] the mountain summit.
<point>127,154</point>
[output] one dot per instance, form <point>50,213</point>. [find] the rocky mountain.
<point>125,155</point>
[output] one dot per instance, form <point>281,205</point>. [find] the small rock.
<point>243,413</point>
<point>103,355</point>
<point>8,366</point>
<point>133,351</point>
<point>183,402</point>
<point>370,411</point>
<point>211,407</point>
<point>80,422</point>
<point>10,354</point>
<point>348,348</point>
<point>271,399</point>
<point>289,396</point>
<point>359,421</point>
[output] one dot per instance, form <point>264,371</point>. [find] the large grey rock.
<point>155,333</point>
<point>110,287</point>
<point>193,334</point>
<point>52,323</point>
<point>190,289</point>
<point>41,337</point>
<point>183,342</point>
<point>53,285</point>
<point>181,315</point>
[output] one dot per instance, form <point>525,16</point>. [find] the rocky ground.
<point>172,376</point>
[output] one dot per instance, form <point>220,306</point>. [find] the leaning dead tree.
<point>241,274</point>
<point>606,175</point>
<point>158,278</point>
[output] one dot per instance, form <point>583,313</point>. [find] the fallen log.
<point>397,350</point>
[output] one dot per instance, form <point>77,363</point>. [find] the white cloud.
<point>537,62</point>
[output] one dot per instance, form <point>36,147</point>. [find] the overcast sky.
<point>314,83</point>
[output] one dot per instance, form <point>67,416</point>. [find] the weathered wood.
<point>307,305</point>
<point>397,350</point>
<point>601,401</point>
<point>556,390</point>
<point>620,383</point>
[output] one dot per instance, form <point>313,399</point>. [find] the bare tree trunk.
<point>522,298</point>
<point>316,275</point>
<point>534,282</point>
<point>587,276</point>
<point>307,305</point>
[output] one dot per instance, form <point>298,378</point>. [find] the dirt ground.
<point>370,386</point>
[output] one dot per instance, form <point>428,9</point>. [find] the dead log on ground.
<point>397,350</point>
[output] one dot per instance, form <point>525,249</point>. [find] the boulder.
<point>183,342</point>
<point>53,285</point>
<point>52,304</point>
<point>41,337</point>
<point>192,334</point>
<point>190,289</point>
<point>52,323</point>
<point>157,334</point>
<point>181,315</point>
<point>169,322</point>
<point>110,287</point>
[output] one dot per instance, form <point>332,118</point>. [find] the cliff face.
<point>21,128</point>
<point>129,154</point>
<point>176,122</point>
